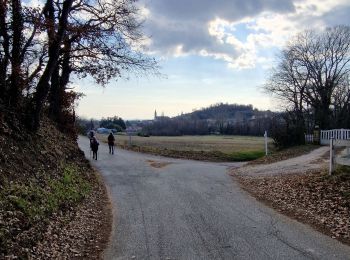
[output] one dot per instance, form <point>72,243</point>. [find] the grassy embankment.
<point>43,176</point>
<point>36,203</point>
<point>210,147</point>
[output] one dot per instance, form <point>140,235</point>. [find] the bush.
<point>286,132</point>
<point>143,134</point>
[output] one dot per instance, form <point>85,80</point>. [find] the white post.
<point>265,135</point>
<point>331,156</point>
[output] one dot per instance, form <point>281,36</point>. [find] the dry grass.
<point>208,147</point>
<point>207,143</point>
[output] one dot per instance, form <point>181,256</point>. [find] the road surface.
<point>178,209</point>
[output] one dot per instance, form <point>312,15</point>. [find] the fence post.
<point>331,156</point>
<point>265,135</point>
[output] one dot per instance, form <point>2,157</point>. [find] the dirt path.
<point>314,160</point>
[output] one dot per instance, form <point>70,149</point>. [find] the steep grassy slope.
<point>45,181</point>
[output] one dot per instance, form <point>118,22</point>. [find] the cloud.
<point>339,14</point>
<point>236,32</point>
<point>205,10</point>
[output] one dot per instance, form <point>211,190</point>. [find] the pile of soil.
<point>31,162</point>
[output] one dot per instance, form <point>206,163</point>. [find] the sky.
<point>208,52</point>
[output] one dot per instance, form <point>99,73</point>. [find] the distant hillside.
<point>220,118</point>
<point>221,111</point>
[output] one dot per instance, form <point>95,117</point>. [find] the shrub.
<point>286,132</point>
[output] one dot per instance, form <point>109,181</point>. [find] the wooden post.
<point>265,135</point>
<point>331,156</point>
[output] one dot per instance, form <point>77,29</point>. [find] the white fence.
<point>343,158</point>
<point>309,138</point>
<point>336,134</point>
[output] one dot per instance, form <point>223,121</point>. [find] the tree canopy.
<point>113,123</point>
<point>41,47</point>
<point>312,79</point>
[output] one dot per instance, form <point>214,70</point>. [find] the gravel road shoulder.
<point>311,161</point>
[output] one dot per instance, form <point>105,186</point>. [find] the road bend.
<point>180,209</point>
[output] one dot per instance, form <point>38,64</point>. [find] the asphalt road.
<point>194,210</point>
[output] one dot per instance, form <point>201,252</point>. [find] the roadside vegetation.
<point>36,203</point>
<point>207,147</point>
<point>311,81</point>
<point>45,185</point>
<point>211,147</point>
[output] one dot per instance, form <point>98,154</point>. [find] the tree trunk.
<point>5,45</point>
<point>42,91</point>
<point>16,72</point>
<point>55,96</point>
<point>58,86</point>
<point>43,86</point>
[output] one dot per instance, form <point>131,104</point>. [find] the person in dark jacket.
<point>111,140</point>
<point>94,147</point>
<point>91,135</point>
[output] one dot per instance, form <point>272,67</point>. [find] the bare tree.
<point>326,58</point>
<point>102,41</point>
<point>21,51</point>
<point>56,24</point>
<point>40,48</point>
<point>313,73</point>
<point>341,105</point>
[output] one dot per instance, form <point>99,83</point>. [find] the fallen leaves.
<point>36,160</point>
<point>81,233</point>
<point>314,198</point>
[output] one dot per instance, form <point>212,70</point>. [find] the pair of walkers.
<point>94,144</point>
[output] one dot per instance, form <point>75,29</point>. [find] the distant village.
<point>216,119</point>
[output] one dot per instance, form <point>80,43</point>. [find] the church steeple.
<point>155,114</point>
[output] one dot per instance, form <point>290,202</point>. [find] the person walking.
<point>111,140</point>
<point>94,147</point>
<point>91,135</point>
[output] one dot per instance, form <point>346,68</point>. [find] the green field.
<point>210,147</point>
